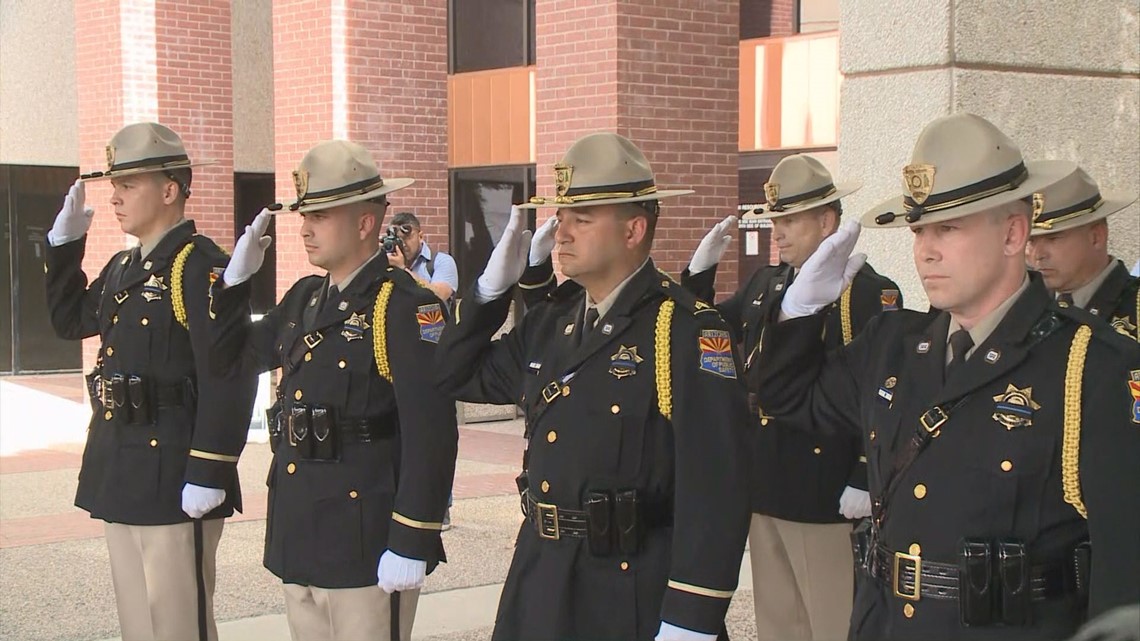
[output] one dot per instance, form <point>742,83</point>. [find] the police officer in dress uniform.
<point>364,445</point>
<point>160,465</point>
<point>1002,433</point>
<point>805,485</point>
<point>1069,246</point>
<point>636,442</point>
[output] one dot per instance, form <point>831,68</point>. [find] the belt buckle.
<point>896,578</point>
<point>934,418</point>
<point>547,521</point>
<point>106,396</point>
<point>551,391</point>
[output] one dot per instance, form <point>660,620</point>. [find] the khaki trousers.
<point>159,572</point>
<point>347,614</point>
<point>803,579</point>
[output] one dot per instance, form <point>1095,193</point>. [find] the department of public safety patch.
<point>430,318</point>
<point>890,300</point>
<point>1134,387</point>
<point>624,362</point>
<point>1015,407</point>
<point>716,353</point>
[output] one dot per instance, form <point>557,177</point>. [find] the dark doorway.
<point>252,192</point>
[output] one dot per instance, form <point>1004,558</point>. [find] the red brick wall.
<point>664,74</point>
<point>195,99</point>
<point>783,17</point>
<point>395,102</point>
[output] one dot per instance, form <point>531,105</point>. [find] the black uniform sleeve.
<point>712,510</point>
<point>225,399</point>
<point>703,285</point>
<point>73,306</point>
<point>799,380</point>
<point>1109,440</point>
<point>429,438</point>
<point>469,365</point>
<point>235,338</point>
<point>536,282</point>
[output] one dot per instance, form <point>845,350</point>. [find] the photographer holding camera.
<point>407,248</point>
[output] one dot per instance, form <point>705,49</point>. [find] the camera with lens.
<point>393,239</point>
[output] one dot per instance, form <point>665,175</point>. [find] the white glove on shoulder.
<point>543,242</point>
<point>670,632</point>
<point>249,251</point>
<point>508,260</point>
<point>396,573</point>
<point>712,247</point>
<point>73,219</point>
<point>197,501</point>
<point>826,273</point>
<point>854,503</point>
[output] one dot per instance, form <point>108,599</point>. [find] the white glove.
<point>197,501</point>
<point>670,632</point>
<point>826,273</point>
<point>73,219</point>
<point>397,574</point>
<point>508,260</point>
<point>854,503</point>
<point>249,251</point>
<point>543,242</point>
<point>712,246</point>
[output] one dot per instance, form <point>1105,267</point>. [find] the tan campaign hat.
<point>799,183</point>
<point>602,169</point>
<point>962,164</point>
<point>1073,201</point>
<point>339,172</point>
<point>141,148</point>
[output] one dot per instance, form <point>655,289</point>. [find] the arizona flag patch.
<point>716,353</point>
<point>1134,387</point>
<point>890,300</point>
<point>430,318</point>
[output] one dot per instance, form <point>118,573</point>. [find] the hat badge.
<point>772,193</point>
<point>919,181</point>
<point>301,182</point>
<point>110,156</point>
<point>1038,205</point>
<point>563,173</point>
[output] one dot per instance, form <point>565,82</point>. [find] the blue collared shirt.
<point>445,270</point>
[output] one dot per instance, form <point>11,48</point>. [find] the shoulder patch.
<point>431,321</point>
<point>715,347</point>
<point>889,299</point>
<point>1134,388</point>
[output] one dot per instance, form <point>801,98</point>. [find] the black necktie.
<point>588,325</point>
<point>1065,300</point>
<point>333,292</point>
<point>960,344</point>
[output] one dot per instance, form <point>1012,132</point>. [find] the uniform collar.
<point>343,285</point>
<point>146,248</point>
<point>1083,295</point>
<point>607,303</point>
<point>986,326</point>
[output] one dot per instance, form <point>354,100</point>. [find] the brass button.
<point>763,420</point>
<point>551,436</point>
<point>566,390</point>
<point>110,351</point>
<point>342,364</point>
<point>290,468</point>
<point>145,321</point>
<point>908,610</point>
<point>154,442</point>
<point>108,415</point>
<point>114,319</point>
<point>1006,466</point>
<point>353,494</point>
<point>298,394</point>
<point>872,435</point>
<point>817,450</point>
<point>624,566</point>
<point>614,409</point>
<point>920,491</point>
<point>308,356</point>
<point>664,283</point>
<point>545,486</point>
<point>915,549</point>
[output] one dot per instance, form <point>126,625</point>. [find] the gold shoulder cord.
<point>1071,442</point>
<point>845,315</point>
<point>663,369</point>
<point>380,331</point>
<point>176,285</point>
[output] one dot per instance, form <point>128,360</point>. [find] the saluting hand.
<point>73,219</point>
<point>507,261</point>
<point>543,242</point>
<point>712,247</point>
<point>826,274</point>
<point>249,251</point>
